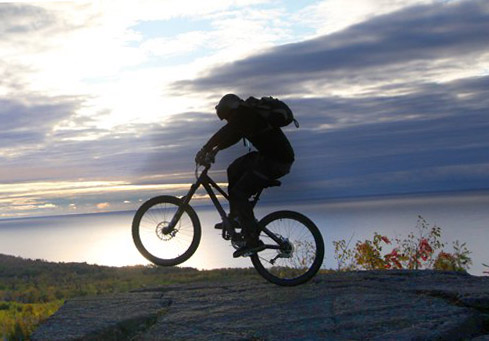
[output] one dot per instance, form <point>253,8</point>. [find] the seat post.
<point>256,198</point>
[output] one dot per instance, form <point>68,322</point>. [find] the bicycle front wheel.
<point>295,249</point>
<point>155,241</point>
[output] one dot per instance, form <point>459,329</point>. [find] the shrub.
<point>368,254</point>
<point>344,255</point>
<point>423,250</point>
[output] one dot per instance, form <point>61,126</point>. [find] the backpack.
<point>273,110</point>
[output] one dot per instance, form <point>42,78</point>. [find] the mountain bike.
<point>166,230</point>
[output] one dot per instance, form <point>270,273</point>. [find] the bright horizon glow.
<point>43,197</point>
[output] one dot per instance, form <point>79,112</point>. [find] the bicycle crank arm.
<point>272,247</point>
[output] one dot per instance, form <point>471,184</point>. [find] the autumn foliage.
<point>423,250</point>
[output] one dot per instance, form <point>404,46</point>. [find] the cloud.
<point>330,16</point>
<point>105,52</point>
<point>396,104</point>
<point>42,113</point>
<point>18,20</point>
<point>426,43</point>
<point>393,99</point>
<point>432,140</point>
<point>26,124</point>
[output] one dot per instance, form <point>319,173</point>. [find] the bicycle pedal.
<point>219,226</point>
<point>238,237</point>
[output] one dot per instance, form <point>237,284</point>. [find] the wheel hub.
<point>287,249</point>
<point>163,232</point>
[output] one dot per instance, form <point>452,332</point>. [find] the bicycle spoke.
<point>297,258</point>
<point>153,236</point>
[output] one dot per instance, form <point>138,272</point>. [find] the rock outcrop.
<point>378,305</point>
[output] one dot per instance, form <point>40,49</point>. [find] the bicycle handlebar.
<point>208,160</point>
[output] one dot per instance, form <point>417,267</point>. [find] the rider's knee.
<point>238,195</point>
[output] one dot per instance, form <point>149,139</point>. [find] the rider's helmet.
<point>228,103</point>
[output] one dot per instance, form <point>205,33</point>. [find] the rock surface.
<point>378,305</point>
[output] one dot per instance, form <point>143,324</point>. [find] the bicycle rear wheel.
<point>295,249</point>
<point>154,242</point>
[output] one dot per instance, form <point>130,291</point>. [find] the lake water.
<point>105,239</point>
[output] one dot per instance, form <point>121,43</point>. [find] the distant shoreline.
<point>313,201</point>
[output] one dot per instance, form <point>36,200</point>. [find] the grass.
<point>33,290</point>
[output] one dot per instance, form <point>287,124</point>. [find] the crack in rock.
<point>114,317</point>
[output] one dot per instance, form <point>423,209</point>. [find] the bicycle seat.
<point>272,183</point>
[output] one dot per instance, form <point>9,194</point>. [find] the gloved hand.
<point>201,156</point>
<point>205,156</point>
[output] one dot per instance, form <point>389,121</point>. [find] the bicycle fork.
<point>178,214</point>
<point>207,182</point>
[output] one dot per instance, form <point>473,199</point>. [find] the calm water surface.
<point>106,238</point>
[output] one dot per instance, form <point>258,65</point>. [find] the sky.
<point>103,104</point>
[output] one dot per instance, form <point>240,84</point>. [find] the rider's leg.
<point>239,195</point>
<point>235,172</point>
<point>248,175</point>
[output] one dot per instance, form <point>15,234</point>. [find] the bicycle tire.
<point>303,262</point>
<point>149,239</point>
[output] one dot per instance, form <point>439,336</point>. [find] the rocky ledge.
<point>378,305</point>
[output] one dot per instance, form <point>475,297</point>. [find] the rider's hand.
<point>211,156</point>
<point>205,156</point>
<point>201,156</point>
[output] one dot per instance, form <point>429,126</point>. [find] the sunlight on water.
<point>106,239</point>
<point>103,239</point>
<point>114,248</point>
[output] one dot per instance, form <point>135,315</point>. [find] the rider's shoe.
<point>249,249</point>
<point>234,222</point>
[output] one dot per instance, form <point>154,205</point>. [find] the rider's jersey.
<point>246,123</point>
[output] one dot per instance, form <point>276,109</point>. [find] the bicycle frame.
<point>205,181</point>
<point>208,184</point>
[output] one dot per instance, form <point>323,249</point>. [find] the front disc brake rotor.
<point>160,231</point>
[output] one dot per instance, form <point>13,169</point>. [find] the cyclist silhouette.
<point>252,172</point>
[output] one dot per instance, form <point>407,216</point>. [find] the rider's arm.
<point>223,138</point>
